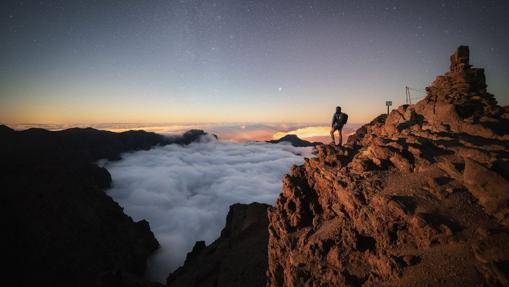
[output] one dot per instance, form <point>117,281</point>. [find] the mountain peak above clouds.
<point>294,140</point>
<point>419,195</point>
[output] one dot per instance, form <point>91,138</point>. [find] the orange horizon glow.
<point>239,132</point>
<point>134,110</point>
<point>307,132</point>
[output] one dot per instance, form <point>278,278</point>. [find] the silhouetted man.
<point>339,119</point>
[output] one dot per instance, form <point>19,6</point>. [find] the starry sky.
<point>209,61</point>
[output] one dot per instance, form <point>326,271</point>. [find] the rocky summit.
<point>418,197</point>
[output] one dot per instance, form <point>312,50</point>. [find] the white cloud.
<point>185,191</point>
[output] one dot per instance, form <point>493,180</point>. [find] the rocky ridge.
<point>59,226</point>
<point>418,197</point>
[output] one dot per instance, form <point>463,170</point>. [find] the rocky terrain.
<point>237,258</point>
<point>419,197</point>
<point>59,228</point>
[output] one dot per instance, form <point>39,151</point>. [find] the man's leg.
<point>340,137</point>
<point>332,136</point>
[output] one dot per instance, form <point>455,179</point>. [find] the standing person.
<point>339,119</point>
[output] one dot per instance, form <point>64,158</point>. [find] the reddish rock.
<point>415,198</point>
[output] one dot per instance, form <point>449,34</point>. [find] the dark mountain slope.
<point>59,227</point>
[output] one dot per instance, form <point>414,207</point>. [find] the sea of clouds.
<point>185,191</point>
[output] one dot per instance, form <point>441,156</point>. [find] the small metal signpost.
<point>388,104</point>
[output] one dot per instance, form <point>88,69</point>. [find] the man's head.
<point>338,109</point>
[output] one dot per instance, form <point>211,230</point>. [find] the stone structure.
<point>460,59</point>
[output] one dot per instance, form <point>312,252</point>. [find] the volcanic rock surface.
<point>59,228</point>
<point>237,258</point>
<point>416,198</point>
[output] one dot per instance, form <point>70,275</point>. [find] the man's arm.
<point>333,119</point>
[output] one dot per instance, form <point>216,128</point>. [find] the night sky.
<point>233,60</point>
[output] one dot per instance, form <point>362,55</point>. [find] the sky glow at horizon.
<point>68,62</point>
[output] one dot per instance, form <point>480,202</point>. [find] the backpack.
<point>343,118</point>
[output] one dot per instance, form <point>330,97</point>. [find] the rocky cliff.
<point>418,197</point>
<point>237,258</point>
<point>59,228</point>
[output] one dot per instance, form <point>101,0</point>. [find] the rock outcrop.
<point>191,136</point>
<point>237,258</point>
<point>59,227</point>
<point>416,198</point>
<point>294,140</point>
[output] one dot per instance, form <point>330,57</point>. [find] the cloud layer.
<point>185,191</point>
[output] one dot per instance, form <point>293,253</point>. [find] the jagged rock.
<point>460,59</point>
<point>237,258</point>
<point>491,253</point>
<point>458,102</point>
<point>401,204</point>
<point>490,189</point>
<point>366,131</point>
